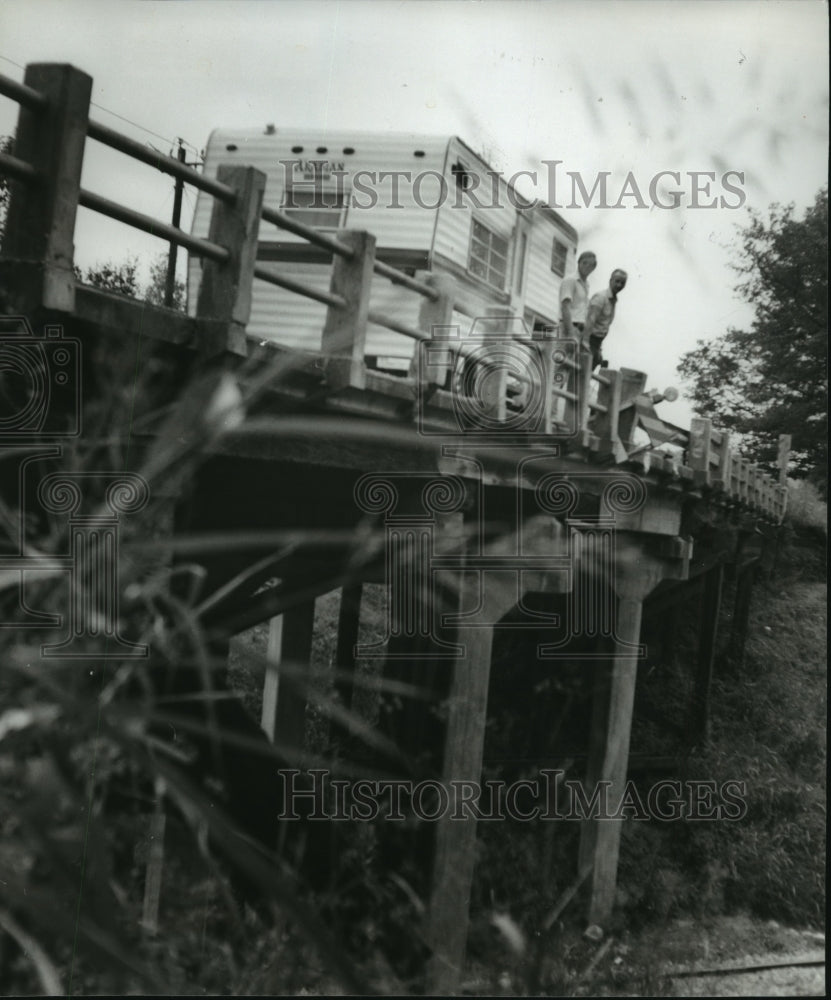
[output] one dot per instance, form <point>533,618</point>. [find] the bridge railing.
<point>38,253</point>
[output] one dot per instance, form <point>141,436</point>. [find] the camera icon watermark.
<point>40,413</point>
<point>40,381</point>
<point>500,380</point>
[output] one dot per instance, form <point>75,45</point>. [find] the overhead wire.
<point>171,142</point>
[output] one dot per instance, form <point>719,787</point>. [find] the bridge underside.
<point>318,489</point>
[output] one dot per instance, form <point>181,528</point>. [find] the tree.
<point>154,293</point>
<point>123,279</point>
<point>771,379</point>
<point>118,278</point>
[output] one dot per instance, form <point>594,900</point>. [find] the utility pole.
<point>170,280</point>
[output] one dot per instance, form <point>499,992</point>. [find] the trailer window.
<point>559,256</point>
<point>488,255</point>
<point>315,206</point>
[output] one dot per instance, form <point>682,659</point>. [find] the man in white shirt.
<point>574,297</point>
<point>601,315</point>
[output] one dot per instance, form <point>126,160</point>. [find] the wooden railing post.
<point>40,228</point>
<point>606,425</point>
<point>545,350</point>
<point>741,479</point>
<point>344,332</point>
<point>632,385</point>
<point>722,481</point>
<point>431,362</point>
<point>699,453</point>
<point>584,386</point>
<point>225,293</point>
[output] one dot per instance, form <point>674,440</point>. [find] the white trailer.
<point>431,203</point>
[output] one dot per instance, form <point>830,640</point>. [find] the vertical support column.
<point>40,228</point>
<point>698,722</point>
<point>455,846</point>
<point>155,864</point>
<point>349,617</point>
<point>613,702</point>
<point>226,290</point>
<point>344,332</point>
<point>454,857</point>
<point>284,704</point>
<point>669,633</point>
<point>741,614</point>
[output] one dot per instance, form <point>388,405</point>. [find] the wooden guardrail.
<point>38,252</point>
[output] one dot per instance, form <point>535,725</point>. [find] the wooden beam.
<point>613,701</point>
<point>455,851</point>
<point>698,721</point>
<point>348,622</point>
<point>741,614</point>
<point>284,704</point>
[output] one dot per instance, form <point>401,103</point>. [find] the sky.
<point>629,87</point>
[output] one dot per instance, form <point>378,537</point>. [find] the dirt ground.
<point>670,961</point>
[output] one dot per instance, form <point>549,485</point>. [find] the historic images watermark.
<point>40,412</point>
<point>332,186</point>
<point>548,797</point>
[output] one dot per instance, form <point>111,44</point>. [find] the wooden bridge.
<point>495,468</point>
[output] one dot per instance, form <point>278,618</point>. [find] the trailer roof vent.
<point>418,152</point>
<point>322,149</point>
<point>270,129</point>
<point>297,149</point>
<point>348,150</point>
<point>232,147</point>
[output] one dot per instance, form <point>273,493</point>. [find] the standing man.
<point>574,297</point>
<point>600,315</point>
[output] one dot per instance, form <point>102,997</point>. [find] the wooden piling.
<point>698,721</point>
<point>284,704</point>
<point>349,616</point>
<point>613,701</point>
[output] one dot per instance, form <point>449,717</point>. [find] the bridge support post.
<point>349,617</point>
<point>699,721</point>
<point>741,614</point>
<point>40,228</point>
<point>637,572</point>
<point>284,703</point>
<point>454,856</point>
